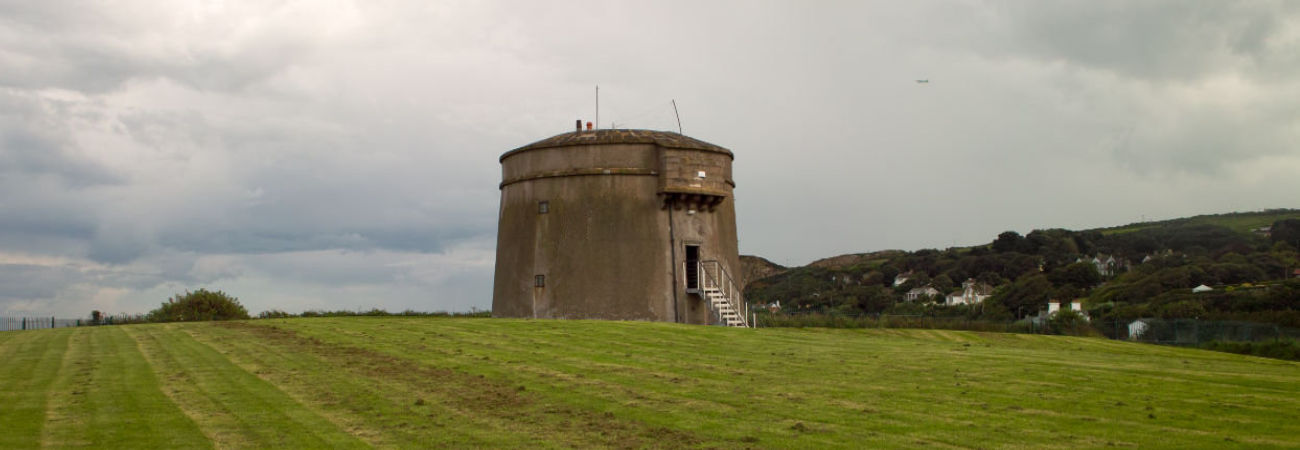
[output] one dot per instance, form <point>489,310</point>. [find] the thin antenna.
<point>597,106</point>
<point>679,116</point>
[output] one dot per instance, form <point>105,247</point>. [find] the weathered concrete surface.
<point>622,206</point>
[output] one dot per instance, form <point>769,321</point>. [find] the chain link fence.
<point>1194,331</point>
<point>1189,332</point>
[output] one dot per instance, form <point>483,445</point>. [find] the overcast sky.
<point>343,154</point>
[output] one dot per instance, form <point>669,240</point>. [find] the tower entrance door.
<point>692,269</point>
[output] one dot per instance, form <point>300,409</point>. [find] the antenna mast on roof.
<point>679,116</point>
<point>597,106</point>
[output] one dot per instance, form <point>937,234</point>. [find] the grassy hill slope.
<point>1241,222</point>
<point>355,382</point>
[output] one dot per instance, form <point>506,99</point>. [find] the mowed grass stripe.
<point>641,370</point>
<point>882,387</point>
<point>109,398</point>
<point>359,404</point>
<point>29,362</point>
<point>233,408</point>
<point>437,406</point>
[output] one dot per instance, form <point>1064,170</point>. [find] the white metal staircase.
<point>719,290</point>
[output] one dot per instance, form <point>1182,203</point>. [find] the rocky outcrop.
<point>754,268</point>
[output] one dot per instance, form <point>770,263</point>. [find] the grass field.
<point>418,382</point>
<point>1239,222</point>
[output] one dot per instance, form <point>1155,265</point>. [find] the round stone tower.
<point>618,224</point>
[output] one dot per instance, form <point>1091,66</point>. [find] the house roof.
<point>664,139</point>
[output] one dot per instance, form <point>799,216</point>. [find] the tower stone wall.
<point>596,225</point>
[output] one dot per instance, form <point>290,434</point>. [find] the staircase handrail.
<point>724,283</point>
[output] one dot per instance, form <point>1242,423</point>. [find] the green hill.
<point>1241,222</point>
<point>1251,262</point>
<point>422,382</point>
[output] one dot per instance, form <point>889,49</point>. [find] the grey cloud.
<point>25,281</point>
<point>34,142</point>
<point>251,241</point>
<point>96,48</point>
<point>313,156</point>
<point>1160,40</point>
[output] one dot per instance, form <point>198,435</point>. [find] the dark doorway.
<point>692,268</point>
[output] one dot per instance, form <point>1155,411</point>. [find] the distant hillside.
<point>1241,222</point>
<point>757,268</point>
<point>857,259</point>
<point>1248,263</point>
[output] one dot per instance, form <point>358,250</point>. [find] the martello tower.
<point>618,224</point>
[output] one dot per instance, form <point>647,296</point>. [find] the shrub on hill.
<point>1072,323</point>
<point>1279,349</point>
<point>273,314</point>
<point>200,305</point>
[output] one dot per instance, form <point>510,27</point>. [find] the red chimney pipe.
<point>588,126</point>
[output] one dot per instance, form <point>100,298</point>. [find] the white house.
<point>1055,305</point>
<point>1202,288</point>
<point>1109,265</point>
<point>1136,328</point>
<point>923,291</point>
<point>971,292</point>
<point>902,278</point>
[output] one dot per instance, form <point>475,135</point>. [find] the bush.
<point>274,314</point>
<point>1278,349</point>
<point>200,305</point>
<point>1071,322</point>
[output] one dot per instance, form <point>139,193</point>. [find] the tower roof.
<point>664,139</point>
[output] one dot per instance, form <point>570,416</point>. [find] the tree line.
<point>1146,271</point>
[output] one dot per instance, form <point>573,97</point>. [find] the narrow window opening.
<point>539,281</point>
<point>692,268</point>
<point>543,207</point>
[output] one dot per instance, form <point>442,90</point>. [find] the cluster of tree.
<point>200,305</point>
<point>1154,269</point>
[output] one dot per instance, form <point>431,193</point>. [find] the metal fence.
<point>37,323</point>
<point>1190,332</point>
<point>1194,331</point>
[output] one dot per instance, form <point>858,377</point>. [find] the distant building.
<point>1263,231</point>
<point>1055,305</point>
<point>1137,327</point>
<point>923,291</point>
<point>774,307</point>
<point>971,292</point>
<point>1202,288</point>
<point>902,278</point>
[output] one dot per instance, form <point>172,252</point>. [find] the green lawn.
<point>419,382</point>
